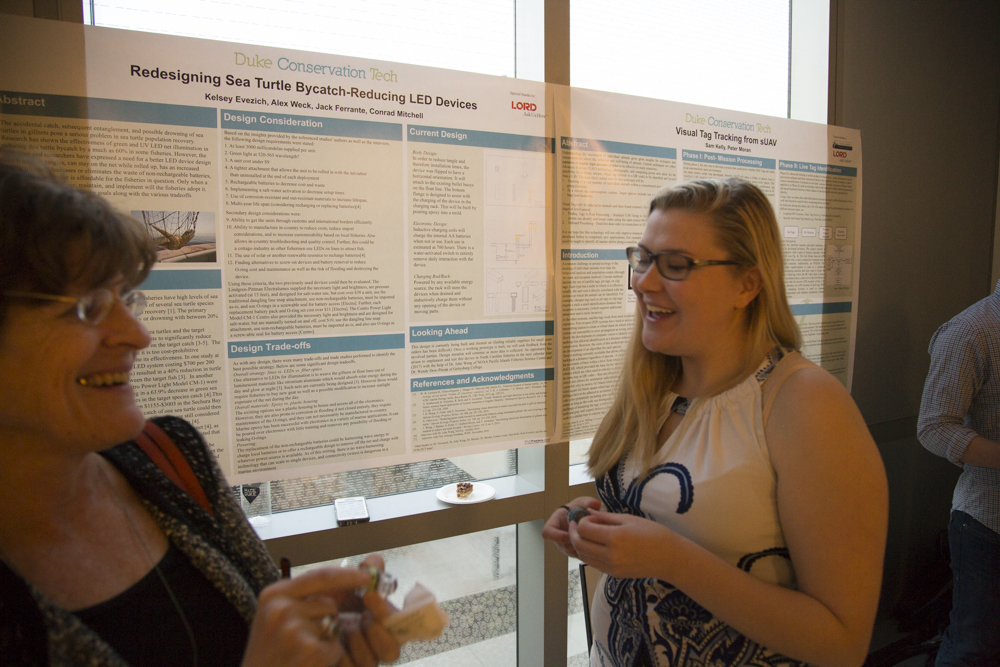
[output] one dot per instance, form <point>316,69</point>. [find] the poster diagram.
<point>514,252</point>
<point>180,236</point>
<point>515,180</point>
<point>839,264</point>
<point>514,228</point>
<point>515,291</point>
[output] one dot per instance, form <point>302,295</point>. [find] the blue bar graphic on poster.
<point>96,108</point>
<point>437,334</point>
<point>290,346</point>
<point>727,159</point>
<point>460,137</point>
<point>481,379</point>
<point>829,308</point>
<point>597,254</point>
<point>602,146</point>
<point>260,121</point>
<point>183,279</point>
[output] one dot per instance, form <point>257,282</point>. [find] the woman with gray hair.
<point>107,555</point>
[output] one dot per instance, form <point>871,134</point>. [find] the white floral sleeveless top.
<point>711,482</point>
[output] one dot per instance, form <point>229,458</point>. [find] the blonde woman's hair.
<point>747,230</point>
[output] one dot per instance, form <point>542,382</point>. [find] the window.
<point>474,578</point>
<point>681,50</point>
<point>685,51</point>
<point>761,56</point>
<point>474,36</point>
<point>478,36</point>
<point>295,493</point>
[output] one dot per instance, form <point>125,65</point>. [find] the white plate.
<point>480,494</point>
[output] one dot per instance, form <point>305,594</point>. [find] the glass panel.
<point>478,36</point>
<point>576,630</point>
<point>474,577</point>
<point>473,36</point>
<point>810,61</point>
<point>673,50</point>
<point>298,492</point>
<point>578,450</point>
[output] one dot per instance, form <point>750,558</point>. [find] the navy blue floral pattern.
<point>653,622</point>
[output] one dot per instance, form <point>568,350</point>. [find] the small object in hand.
<point>349,622</point>
<point>463,489</point>
<point>329,628</point>
<point>381,582</point>
<point>577,514</point>
<point>420,618</point>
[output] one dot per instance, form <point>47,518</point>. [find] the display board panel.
<point>354,261</point>
<point>615,151</point>
<point>366,263</point>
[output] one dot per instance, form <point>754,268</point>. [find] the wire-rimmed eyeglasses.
<point>671,265</point>
<point>93,306</point>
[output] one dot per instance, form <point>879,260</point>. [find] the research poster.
<point>354,259</point>
<point>363,263</point>
<point>615,151</point>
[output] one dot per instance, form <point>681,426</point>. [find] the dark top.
<point>222,547</point>
<point>145,616</point>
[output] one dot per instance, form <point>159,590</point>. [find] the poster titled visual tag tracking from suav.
<point>609,169</point>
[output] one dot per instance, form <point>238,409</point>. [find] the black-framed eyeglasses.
<point>93,306</point>
<point>671,265</point>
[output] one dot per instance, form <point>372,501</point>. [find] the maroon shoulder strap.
<point>164,453</point>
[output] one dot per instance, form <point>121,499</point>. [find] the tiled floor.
<point>576,637</point>
<point>502,651</point>
<point>451,568</point>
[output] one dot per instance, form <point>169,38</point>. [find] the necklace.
<point>156,566</point>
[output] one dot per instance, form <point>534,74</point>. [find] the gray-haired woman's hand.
<point>291,627</point>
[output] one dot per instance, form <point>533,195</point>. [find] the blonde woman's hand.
<point>625,546</point>
<point>556,529</point>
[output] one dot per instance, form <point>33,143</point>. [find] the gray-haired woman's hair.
<point>54,236</point>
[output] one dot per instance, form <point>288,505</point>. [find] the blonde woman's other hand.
<point>626,546</point>
<point>556,529</point>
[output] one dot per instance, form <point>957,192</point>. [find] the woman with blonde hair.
<point>743,504</point>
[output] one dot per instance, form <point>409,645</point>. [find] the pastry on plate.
<point>463,489</point>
